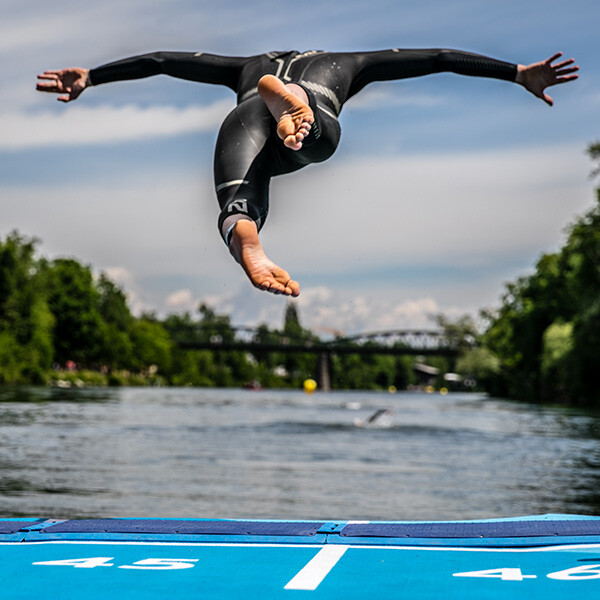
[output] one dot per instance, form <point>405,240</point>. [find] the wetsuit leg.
<point>249,152</point>
<point>242,169</point>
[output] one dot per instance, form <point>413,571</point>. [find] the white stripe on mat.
<point>315,570</point>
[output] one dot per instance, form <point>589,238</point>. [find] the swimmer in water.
<point>286,117</point>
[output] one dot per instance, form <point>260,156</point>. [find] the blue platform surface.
<point>547,556</point>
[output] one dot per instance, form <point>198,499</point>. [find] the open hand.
<point>536,77</point>
<point>68,82</point>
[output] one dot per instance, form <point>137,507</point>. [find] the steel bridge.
<point>418,342</point>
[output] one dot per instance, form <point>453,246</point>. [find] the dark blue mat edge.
<point>497,529</point>
<point>13,526</point>
<point>505,529</point>
<point>186,527</point>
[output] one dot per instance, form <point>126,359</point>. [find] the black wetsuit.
<point>248,151</point>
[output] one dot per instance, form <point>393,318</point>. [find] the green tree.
<point>461,334</point>
<point>74,301</point>
<point>479,364</point>
<point>221,367</point>
<point>18,286</point>
<point>547,329</point>
<point>516,331</point>
<point>594,152</point>
<point>112,304</point>
<point>117,350</point>
<point>151,346</point>
<point>556,361</point>
<point>26,323</point>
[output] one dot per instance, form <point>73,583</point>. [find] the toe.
<point>291,143</point>
<point>293,287</point>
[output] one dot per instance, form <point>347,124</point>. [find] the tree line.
<point>545,335</point>
<point>59,323</point>
<point>54,313</point>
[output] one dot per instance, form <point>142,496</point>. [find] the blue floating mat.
<point>12,526</point>
<point>497,529</point>
<point>186,527</point>
<point>550,557</point>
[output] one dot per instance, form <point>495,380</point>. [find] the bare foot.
<point>288,103</point>
<point>247,250</point>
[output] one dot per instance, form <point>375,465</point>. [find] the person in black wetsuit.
<point>286,117</point>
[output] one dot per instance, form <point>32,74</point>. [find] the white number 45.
<point>162,564</point>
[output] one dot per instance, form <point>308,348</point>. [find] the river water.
<point>210,453</point>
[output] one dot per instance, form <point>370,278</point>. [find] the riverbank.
<point>90,378</point>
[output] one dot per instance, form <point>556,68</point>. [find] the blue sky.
<point>443,188</point>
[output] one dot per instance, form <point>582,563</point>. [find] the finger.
<point>567,71</point>
<point>47,88</point>
<point>566,78</point>
<point>47,75</point>
<point>553,58</point>
<point>564,63</point>
<point>568,64</point>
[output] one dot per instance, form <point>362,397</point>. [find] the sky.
<point>444,188</point>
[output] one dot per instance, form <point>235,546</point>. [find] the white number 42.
<point>162,564</point>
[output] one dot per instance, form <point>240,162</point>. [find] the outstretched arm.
<point>68,82</point>
<point>201,67</point>
<point>536,77</point>
<point>399,64</point>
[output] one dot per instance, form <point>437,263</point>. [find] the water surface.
<point>205,453</point>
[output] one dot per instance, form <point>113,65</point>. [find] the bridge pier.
<point>324,371</point>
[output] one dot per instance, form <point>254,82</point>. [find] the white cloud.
<point>82,125</point>
<point>181,301</point>
<point>329,311</point>
<point>364,312</point>
<point>120,275</point>
<point>461,210</point>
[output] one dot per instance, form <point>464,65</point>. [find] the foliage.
<point>62,325</point>
<point>371,371</point>
<point>546,332</point>
<point>74,301</point>
<point>26,322</point>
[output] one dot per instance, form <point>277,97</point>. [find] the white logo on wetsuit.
<point>238,206</point>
